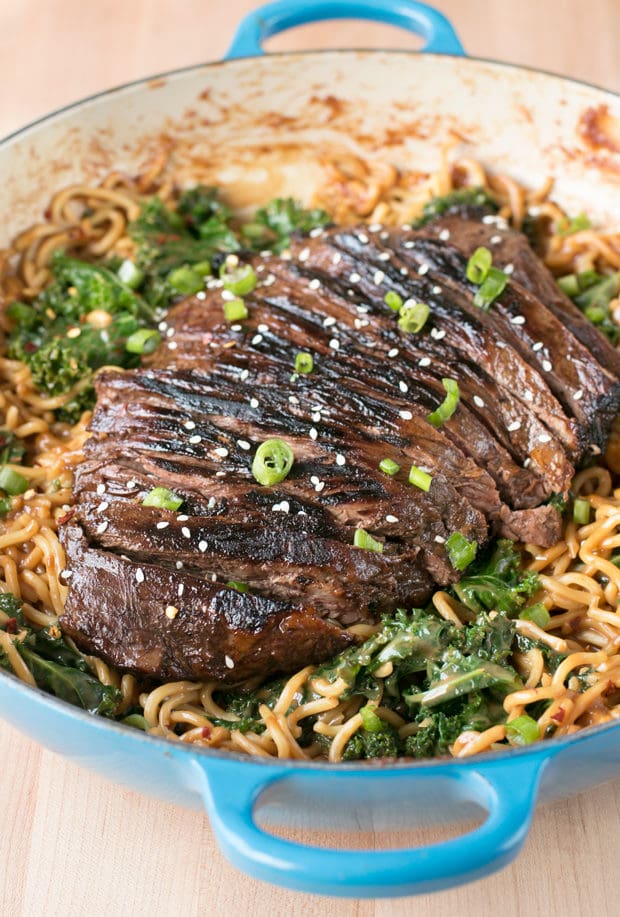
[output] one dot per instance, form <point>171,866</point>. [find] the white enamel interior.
<point>255,127</point>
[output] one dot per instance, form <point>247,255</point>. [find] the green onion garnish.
<point>448,406</point>
<point>412,316</point>
<point>523,730</point>
<point>581,511</point>
<point>137,721</point>
<point>143,341</point>
<point>6,505</point>
<point>370,720</point>
<point>239,279</point>
<point>569,284</point>
<point>393,300</point>
<point>202,268</point>
<point>235,310</point>
<point>12,482</point>
<point>240,587</point>
<point>567,226</point>
<point>304,362</point>
<point>492,287</point>
<point>185,280</point>
<point>460,551</point>
<point>419,478</point>
<point>388,466</point>
<point>362,539</point>
<point>163,498</point>
<point>131,275</point>
<point>537,614</point>
<point>479,265</point>
<point>272,462</point>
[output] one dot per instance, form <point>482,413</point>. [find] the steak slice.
<point>117,610</point>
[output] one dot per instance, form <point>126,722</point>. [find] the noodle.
<point>580,584</point>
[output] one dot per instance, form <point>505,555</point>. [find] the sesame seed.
<point>547,366</point>
<point>182,517</point>
<point>508,269</point>
<point>269,280</point>
<point>315,283</point>
<point>378,278</point>
<point>214,577</point>
<point>66,574</point>
<point>384,256</point>
<point>409,243</point>
<point>264,329</point>
<point>438,333</point>
<point>403,387</point>
<point>314,479</point>
<point>170,333</point>
<point>375,227</point>
<point>202,546</point>
<point>423,269</point>
<point>139,575</point>
<point>384,235</point>
<point>253,402</point>
<point>544,438</point>
<point>162,525</point>
<point>257,339</point>
<point>131,485</point>
<point>194,440</point>
<point>172,345</point>
<point>102,506</point>
<point>337,258</point>
<point>514,426</point>
<point>211,503</point>
<point>439,539</point>
<point>478,401</point>
<point>340,459</point>
<point>162,326</point>
<point>243,444</point>
<point>436,291</point>
<point>329,321</point>
<point>334,344</point>
<point>201,295</point>
<point>354,277</point>
<point>391,518</point>
<point>444,235</point>
<point>293,399</point>
<point>517,320</point>
<point>360,323</point>
<point>100,489</point>
<point>179,564</point>
<point>406,415</point>
<point>404,271</point>
<point>313,433</point>
<point>222,451</point>
<point>578,395</point>
<point>186,532</point>
<point>528,395</point>
<point>316,416</point>
<point>171,612</point>
<point>319,487</point>
<point>228,662</point>
<point>425,361</point>
<point>350,292</point>
<point>244,374</point>
<point>495,240</point>
<point>317,231</point>
<point>180,589</point>
<point>102,527</point>
<point>363,310</point>
<point>527,463</point>
<point>537,346</point>
<point>393,352</point>
<point>363,238</point>
<point>189,425</point>
<point>594,449</point>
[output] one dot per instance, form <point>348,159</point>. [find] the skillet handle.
<point>272,18</point>
<point>507,790</point>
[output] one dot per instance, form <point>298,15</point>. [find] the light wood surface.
<point>73,844</point>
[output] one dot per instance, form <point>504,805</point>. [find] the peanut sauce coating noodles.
<point>525,647</point>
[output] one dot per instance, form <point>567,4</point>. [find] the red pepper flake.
<point>68,515</point>
<point>30,347</point>
<point>206,732</point>
<point>11,626</point>
<point>558,716</point>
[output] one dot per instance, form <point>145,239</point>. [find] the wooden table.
<point>72,844</point>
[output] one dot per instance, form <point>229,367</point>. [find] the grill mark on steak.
<point>192,420</point>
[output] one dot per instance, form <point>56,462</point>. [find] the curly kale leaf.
<point>498,583</point>
<point>455,201</point>
<point>274,224</point>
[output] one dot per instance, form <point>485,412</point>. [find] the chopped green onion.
<point>240,587</point>
<point>163,498</point>
<point>523,730</point>
<point>419,478</point>
<point>393,300</point>
<point>595,314</point>
<point>567,227</point>
<point>492,287</point>
<point>460,551</point>
<point>304,362</point>
<point>235,310</point>
<point>537,614</point>
<point>370,721</point>
<point>239,279</point>
<point>448,406</point>
<point>12,482</point>
<point>144,341</point>
<point>362,539</point>
<point>587,279</point>
<point>185,280</point>
<point>479,265</point>
<point>388,466</point>
<point>131,275</point>
<point>581,511</point>
<point>5,506</point>
<point>413,316</point>
<point>272,462</point>
<point>137,721</point>
<point>569,284</point>
<point>203,268</point>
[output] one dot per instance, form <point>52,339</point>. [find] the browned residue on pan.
<point>600,129</point>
